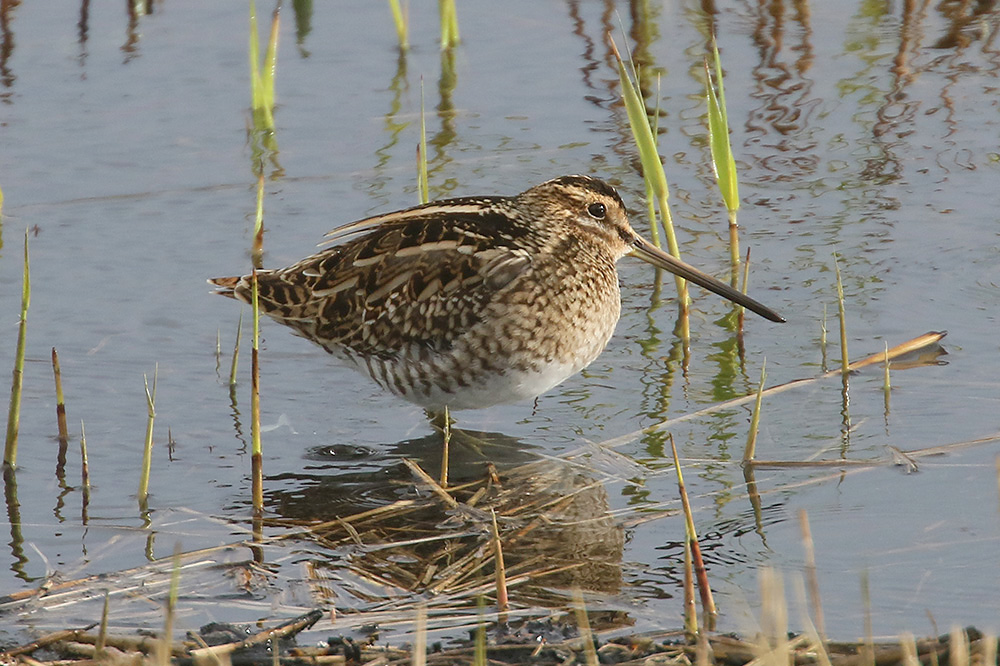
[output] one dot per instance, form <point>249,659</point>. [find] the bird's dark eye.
<point>597,211</point>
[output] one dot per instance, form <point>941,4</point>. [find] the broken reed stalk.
<point>449,24</point>
<point>256,456</point>
<point>60,413</point>
<point>742,311</point>
<point>844,362</point>
<point>84,467</point>
<point>14,409</point>
<point>419,654</point>
<point>810,569</point>
<point>867,652</point>
<point>147,450</point>
<point>723,162</point>
<point>102,633</point>
<point>501,573</point>
<point>690,605</point>
<point>701,575</point>
<point>479,648</point>
<point>583,626</point>
<point>401,21</point>
<point>165,647</point>
<point>423,187</point>
<point>236,351</point>
<point>445,447</point>
<point>886,384</point>
<point>652,171</point>
<point>750,450</point>
<point>822,338</point>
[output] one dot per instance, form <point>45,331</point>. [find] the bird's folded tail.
<point>226,286</point>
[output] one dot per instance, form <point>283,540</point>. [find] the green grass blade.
<point>399,17</point>
<point>271,60</point>
<point>147,451</point>
<point>449,24</point>
<point>723,161</point>
<point>423,187</point>
<point>652,168</point>
<point>14,409</point>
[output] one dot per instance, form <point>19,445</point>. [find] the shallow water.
<point>860,129</point>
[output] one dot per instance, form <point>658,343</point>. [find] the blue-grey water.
<point>863,129</point>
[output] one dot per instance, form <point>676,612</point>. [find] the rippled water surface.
<point>863,129</point>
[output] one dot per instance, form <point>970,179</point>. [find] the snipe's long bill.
<point>471,302</point>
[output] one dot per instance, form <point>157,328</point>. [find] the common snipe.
<point>471,302</point>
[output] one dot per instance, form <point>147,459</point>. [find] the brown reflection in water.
<point>83,29</point>
<point>968,21</point>
<point>135,9</point>
<point>555,524</point>
<point>7,76</point>
<point>780,123</point>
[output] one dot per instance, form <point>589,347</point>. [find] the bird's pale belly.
<point>490,367</point>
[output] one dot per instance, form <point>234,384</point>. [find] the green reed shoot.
<point>449,24</point>
<point>652,168</point>
<point>236,351</point>
<point>723,162</point>
<point>400,18</point>
<point>707,602</point>
<point>844,362</point>
<point>257,252</point>
<point>14,409</point>
<point>262,77</point>
<point>751,447</point>
<point>147,451</point>
<point>256,456</point>
<point>423,187</point>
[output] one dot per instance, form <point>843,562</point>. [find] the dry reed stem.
<point>909,346</point>
<point>583,625</point>
<point>283,630</point>
<point>701,575</point>
<point>418,655</point>
<point>102,633</point>
<point>501,572</point>
<point>810,570</point>
<point>434,486</point>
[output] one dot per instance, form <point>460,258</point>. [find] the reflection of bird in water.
<point>553,515</point>
<point>471,302</point>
